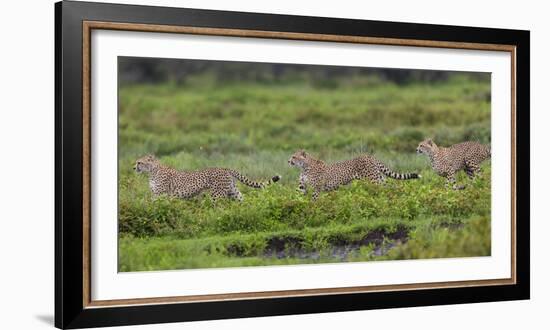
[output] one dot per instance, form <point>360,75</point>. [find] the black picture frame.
<point>70,310</point>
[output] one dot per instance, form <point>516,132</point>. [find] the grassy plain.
<point>254,128</point>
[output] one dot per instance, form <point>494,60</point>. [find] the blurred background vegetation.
<point>251,117</point>
<point>138,70</point>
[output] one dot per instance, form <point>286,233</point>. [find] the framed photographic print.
<point>214,164</point>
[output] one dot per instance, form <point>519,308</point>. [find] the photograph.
<point>234,164</point>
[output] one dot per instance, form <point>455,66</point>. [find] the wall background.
<point>26,163</point>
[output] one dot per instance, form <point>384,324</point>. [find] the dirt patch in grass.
<point>380,242</point>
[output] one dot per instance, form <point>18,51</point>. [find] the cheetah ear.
<point>303,152</point>
<point>430,141</point>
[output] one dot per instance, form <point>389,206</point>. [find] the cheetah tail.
<point>254,184</point>
<point>398,176</point>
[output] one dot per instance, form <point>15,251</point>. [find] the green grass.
<point>254,128</point>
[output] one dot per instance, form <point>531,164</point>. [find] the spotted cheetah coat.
<point>186,184</point>
<point>326,177</point>
<point>447,162</point>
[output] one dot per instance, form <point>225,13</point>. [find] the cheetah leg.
<point>472,170</point>
<point>183,195</point>
<point>316,194</point>
<point>236,194</point>
<point>302,186</point>
<point>451,181</point>
<point>380,179</point>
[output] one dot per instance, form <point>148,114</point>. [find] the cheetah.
<point>186,184</point>
<point>447,162</point>
<point>326,177</point>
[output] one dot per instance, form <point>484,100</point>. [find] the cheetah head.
<point>426,147</point>
<point>145,164</point>
<point>299,158</point>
